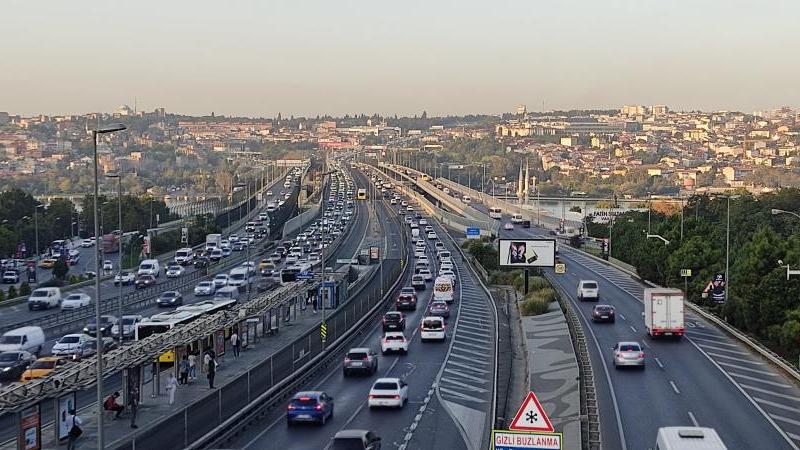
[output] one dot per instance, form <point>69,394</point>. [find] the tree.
<point>24,289</point>
<point>12,292</point>
<point>60,269</point>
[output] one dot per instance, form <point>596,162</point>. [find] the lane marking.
<point>693,419</point>
<point>715,342</point>
<point>725,350</point>
<point>759,380</point>
<point>674,388</point>
<point>623,317</point>
<point>786,419</point>
<point>768,392</point>
<point>720,355</point>
<point>633,329</point>
<point>738,367</point>
<point>776,405</point>
<point>658,361</point>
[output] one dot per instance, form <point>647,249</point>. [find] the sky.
<point>309,57</point>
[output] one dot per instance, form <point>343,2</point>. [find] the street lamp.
<point>99,375</point>
<point>36,227</point>
<point>118,176</point>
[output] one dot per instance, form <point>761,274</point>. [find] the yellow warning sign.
<point>561,268</point>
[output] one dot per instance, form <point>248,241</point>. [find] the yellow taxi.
<point>47,263</point>
<point>43,367</point>
<point>264,263</point>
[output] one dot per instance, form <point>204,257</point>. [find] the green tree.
<point>60,269</point>
<point>12,292</point>
<point>24,289</point>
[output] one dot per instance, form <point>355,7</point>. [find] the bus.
<point>361,194</point>
<point>495,212</point>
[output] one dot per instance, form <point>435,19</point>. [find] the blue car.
<point>309,406</point>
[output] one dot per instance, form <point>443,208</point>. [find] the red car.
<point>144,281</point>
<point>406,301</point>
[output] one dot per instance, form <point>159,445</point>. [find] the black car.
<point>603,313</point>
<point>170,298</point>
<point>106,322</point>
<point>12,364</point>
<point>201,262</point>
<point>238,246</point>
<point>394,321</point>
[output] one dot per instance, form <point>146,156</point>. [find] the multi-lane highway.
<point>706,379</point>
<point>450,383</point>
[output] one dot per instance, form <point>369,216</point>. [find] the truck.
<point>213,241</point>
<point>110,242</point>
<point>663,312</point>
<point>443,289</point>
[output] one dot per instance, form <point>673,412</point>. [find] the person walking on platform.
<point>235,343</point>
<point>183,370</point>
<point>211,368</point>
<point>192,366</point>
<point>172,386</point>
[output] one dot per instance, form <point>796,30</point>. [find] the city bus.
<point>495,212</point>
<point>361,194</point>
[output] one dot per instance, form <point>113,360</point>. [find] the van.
<point>227,293</point>
<point>443,289</point>
<point>184,256</point>
<point>688,438</point>
<point>443,256</point>
<point>516,218</point>
<point>149,267</point>
<point>432,328</point>
<point>44,298</point>
<point>27,339</point>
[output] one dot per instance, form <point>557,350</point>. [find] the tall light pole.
<point>118,176</point>
<point>99,374</point>
<point>36,228</point>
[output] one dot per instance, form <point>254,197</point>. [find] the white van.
<point>44,298</point>
<point>444,256</point>
<point>432,328</point>
<point>688,438</point>
<point>149,267</point>
<point>184,256</point>
<point>227,293</point>
<point>443,289</point>
<point>516,218</point>
<point>28,339</point>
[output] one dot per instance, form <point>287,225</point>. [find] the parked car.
<point>309,406</point>
<point>394,341</point>
<point>125,278</point>
<point>603,313</point>
<point>75,301</point>
<point>170,298</point>
<point>144,281</point>
<point>394,321</point>
<point>12,364</point>
<point>628,354</point>
<point>360,360</point>
<point>388,392</point>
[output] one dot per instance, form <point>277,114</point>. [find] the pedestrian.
<point>192,366</point>
<point>183,369</point>
<point>134,404</point>
<point>235,343</point>
<point>112,404</point>
<point>75,431</point>
<point>211,369</point>
<point>172,386</point>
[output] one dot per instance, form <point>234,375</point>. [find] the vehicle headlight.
<point>6,369</point>
<point>85,329</point>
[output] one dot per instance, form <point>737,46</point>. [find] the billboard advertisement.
<point>716,287</point>
<point>30,428</point>
<point>527,252</point>
<point>66,404</point>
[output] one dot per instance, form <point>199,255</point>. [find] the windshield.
<point>43,365</point>
<point>39,293</point>
<point>73,297</point>
<point>128,321</point>
<point>69,340</point>
<point>5,357</point>
<point>432,324</point>
<point>8,339</point>
<point>629,348</point>
<point>146,266</point>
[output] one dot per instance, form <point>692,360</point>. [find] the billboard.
<point>527,252</point>
<point>66,403</point>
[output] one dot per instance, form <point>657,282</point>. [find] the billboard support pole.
<point>527,275</point>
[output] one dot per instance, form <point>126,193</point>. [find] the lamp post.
<point>99,374</point>
<point>118,176</point>
<point>36,228</point>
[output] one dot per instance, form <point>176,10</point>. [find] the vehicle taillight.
<point>318,407</point>
<point>397,397</point>
<point>291,407</point>
<point>641,354</point>
<point>346,359</point>
<point>372,396</point>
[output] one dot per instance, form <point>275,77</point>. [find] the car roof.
<point>602,306</point>
<point>359,349</point>
<point>351,434</point>
<point>621,343</point>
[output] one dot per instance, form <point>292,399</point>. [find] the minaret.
<point>527,180</point>
<point>519,184</point>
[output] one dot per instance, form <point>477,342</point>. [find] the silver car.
<point>628,354</point>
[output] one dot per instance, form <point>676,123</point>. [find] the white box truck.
<point>443,289</point>
<point>663,312</point>
<point>213,241</point>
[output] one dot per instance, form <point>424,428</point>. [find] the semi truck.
<point>663,312</point>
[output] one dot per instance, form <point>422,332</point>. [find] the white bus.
<point>495,212</point>
<point>361,194</point>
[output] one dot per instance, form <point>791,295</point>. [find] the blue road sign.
<point>305,275</point>
<point>473,232</point>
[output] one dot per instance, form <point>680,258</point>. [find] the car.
<point>439,245</point>
<point>276,257</point>
<point>43,367</point>
<point>603,313</point>
<point>175,271</point>
<point>108,266</point>
<point>448,273</point>
<point>425,273</point>
<point>232,238</point>
<point>409,208</point>
<point>508,226</point>
<point>226,251</point>
<point>75,301</point>
<point>400,212</point>
<point>418,282</point>
<point>250,266</point>
<point>423,221</point>
<point>404,203</point>
<point>393,201</point>
<point>432,328</point>
<point>215,255</point>
<point>10,276</point>
<point>239,246</point>
<point>144,281</point>
<point>446,265</point>
<point>169,298</point>
<point>220,280</point>
<point>125,278</point>
<point>394,321</point>
<point>628,354</point>
<point>388,392</point>
<point>71,345</point>
<point>128,326</point>
<point>394,341</point>
<point>360,360</point>
<point>309,406</point>
<point>432,236</point>
<point>419,252</point>
<point>406,301</point>
<point>201,262</point>
<point>106,322</point>
<point>86,243</point>
<point>440,309</point>
<point>13,364</point>
<point>588,290</point>
<point>204,288</point>
<point>47,263</point>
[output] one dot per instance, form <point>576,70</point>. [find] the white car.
<point>393,201</point>
<point>205,288</point>
<point>250,265</point>
<point>446,265</point>
<point>433,328</point>
<point>394,341</point>
<point>221,280</point>
<point>71,344</point>
<point>423,258</point>
<point>291,259</point>
<point>108,266</point>
<point>389,392</point>
<point>508,226</point>
<point>448,273</point>
<point>419,252</point>
<point>233,238</point>
<point>426,273</point>
<point>432,236</point>
<point>175,271</point>
<point>125,278</point>
<point>86,243</point>
<point>75,301</point>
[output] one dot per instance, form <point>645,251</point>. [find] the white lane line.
<point>792,409</point>
<point>623,317</point>
<point>796,437</point>
<point>713,335</point>
<point>738,367</point>
<point>674,388</point>
<point>468,367</point>
<point>768,392</point>
<point>785,419</point>
<point>461,374</point>
<point>693,419</point>
<point>633,329</point>
<point>720,355</point>
<point>462,332</point>
<point>720,349</point>
<point>759,380</point>
<point>715,342</point>
<point>658,361</point>
<point>470,358</point>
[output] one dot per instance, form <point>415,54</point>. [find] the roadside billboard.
<point>527,252</point>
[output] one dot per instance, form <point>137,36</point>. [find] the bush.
<point>73,279</point>
<point>503,277</point>
<point>2,295</point>
<point>519,281</point>
<point>12,292</point>
<point>52,282</point>
<point>24,289</point>
<point>538,283</point>
<point>60,269</point>
<point>534,307</point>
<point>545,295</point>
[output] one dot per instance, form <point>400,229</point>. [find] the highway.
<point>706,379</point>
<point>449,390</point>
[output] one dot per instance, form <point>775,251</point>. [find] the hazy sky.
<point>307,57</point>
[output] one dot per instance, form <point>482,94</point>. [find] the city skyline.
<point>356,57</point>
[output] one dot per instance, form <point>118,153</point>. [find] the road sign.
<point>531,416</point>
<point>519,440</point>
<point>561,268</point>
<point>323,331</point>
<point>473,232</point>
<point>305,275</point>
<point>686,272</point>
